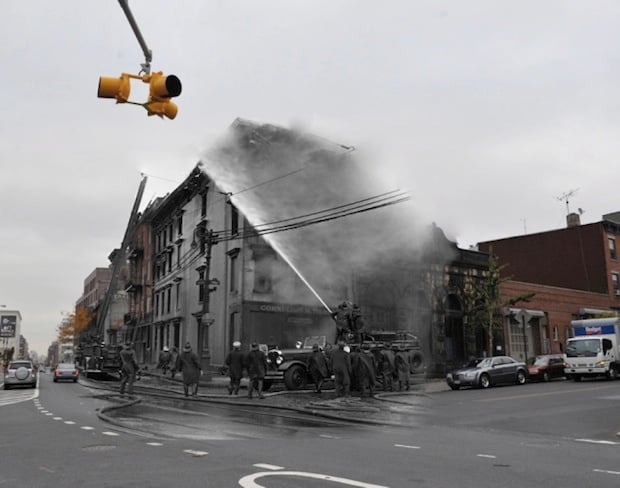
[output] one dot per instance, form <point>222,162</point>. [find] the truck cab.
<point>594,349</point>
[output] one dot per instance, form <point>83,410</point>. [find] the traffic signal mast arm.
<point>148,54</point>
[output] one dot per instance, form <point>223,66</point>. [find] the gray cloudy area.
<point>485,112</point>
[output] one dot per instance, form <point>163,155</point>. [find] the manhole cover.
<point>98,448</point>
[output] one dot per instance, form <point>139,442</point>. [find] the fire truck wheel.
<point>295,378</point>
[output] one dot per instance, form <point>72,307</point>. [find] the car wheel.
<point>576,377</point>
<point>485,381</point>
<point>295,378</point>
<point>6,387</point>
<point>521,377</point>
<point>613,374</point>
<point>266,384</point>
<point>455,387</point>
<point>75,381</point>
<point>55,380</point>
<point>546,376</point>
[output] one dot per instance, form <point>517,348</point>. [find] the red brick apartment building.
<point>574,273</point>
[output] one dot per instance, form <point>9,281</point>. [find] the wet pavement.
<point>384,408</point>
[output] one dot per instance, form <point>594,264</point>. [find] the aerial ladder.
<point>100,357</point>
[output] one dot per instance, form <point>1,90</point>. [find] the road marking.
<point>406,446</point>
<point>86,427</point>
<point>154,444</point>
<point>49,414</point>
<point>595,441</point>
<point>249,480</point>
<point>43,411</point>
<point>326,436</point>
<point>268,466</point>
<point>489,456</point>
<point>606,471</point>
<point>57,418</point>
<point>195,453</point>
<point>110,433</point>
<point>69,422</point>
<point>535,395</point>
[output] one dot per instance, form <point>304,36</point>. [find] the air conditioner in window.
<point>617,292</point>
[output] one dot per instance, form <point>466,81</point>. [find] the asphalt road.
<point>504,437</point>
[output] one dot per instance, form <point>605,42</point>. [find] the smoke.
<point>275,174</point>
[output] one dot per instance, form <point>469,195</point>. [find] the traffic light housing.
<point>117,88</point>
<point>161,89</point>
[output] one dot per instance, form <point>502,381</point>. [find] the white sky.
<point>485,110</point>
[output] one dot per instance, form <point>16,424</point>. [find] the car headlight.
<point>279,360</point>
<point>470,374</point>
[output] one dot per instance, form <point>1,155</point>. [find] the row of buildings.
<point>205,267</point>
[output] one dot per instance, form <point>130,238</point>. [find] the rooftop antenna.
<point>565,198</point>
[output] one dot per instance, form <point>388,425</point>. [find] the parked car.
<point>485,372</point>
<point>19,373</point>
<point>66,371</point>
<point>546,367</point>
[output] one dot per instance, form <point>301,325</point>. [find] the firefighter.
<point>366,371</point>
<point>234,363</point>
<point>189,365</point>
<point>387,366</point>
<point>318,367</point>
<point>129,369</point>
<point>341,366</point>
<point>256,364</point>
<point>165,357</point>
<point>403,365</point>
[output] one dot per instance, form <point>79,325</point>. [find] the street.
<point>507,436</point>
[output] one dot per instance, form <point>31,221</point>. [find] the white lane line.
<point>57,418</point>
<point>86,427</point>
<point>110,433</point>
<point>595,441</point>
<point>195,453</point>
<point>249,481</point>
<point>606,471</point>
<point>406,446</point>
<point>69,422</point>
<point>272,467</point>
<point>489,456</point>
<point>49,414</point>
<point>154,444</point>
<point>43,410</point>
<point>327,436</point>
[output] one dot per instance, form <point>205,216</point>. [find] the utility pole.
<point>203,318</point>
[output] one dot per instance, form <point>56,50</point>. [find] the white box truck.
<point>594,349</point>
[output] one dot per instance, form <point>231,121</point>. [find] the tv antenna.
<point>566,196</point>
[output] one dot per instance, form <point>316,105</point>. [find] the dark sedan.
<point>546,367</point>
<point>66,371</point>
<point>485,372</point>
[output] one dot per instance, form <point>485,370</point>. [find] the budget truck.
<point>594,349</point>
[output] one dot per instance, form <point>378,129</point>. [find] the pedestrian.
<point>234,362</point>
<point>164,360</point>
<point>189,365</point>
<point>256,364</point>
<point>318,367</point>
<point>341,366</point>
<point>129,368</point>
<point>387,366</point>
<point>174,355</point>
<point>366,371</point>
<point>403,364</point>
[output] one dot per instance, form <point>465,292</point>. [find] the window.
<point>180,225</point>
<point>178,296</point>
<point>179,256</point>
<point>203,204</point>
<point>615,281</point>
<point>234,270</point>
<point>555,333</point>
<point>168,299</point>
<point>234,220</point>
<point>611,242</point>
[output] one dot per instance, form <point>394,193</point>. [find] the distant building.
<point>574,273</point>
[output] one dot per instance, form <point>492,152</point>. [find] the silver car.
<point>20,372</point>
<point>485,372</point>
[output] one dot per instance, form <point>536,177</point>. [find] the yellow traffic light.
<point>117,88</point>
<point>161,89</point>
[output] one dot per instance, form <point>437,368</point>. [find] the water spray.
<point>279,250</point>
